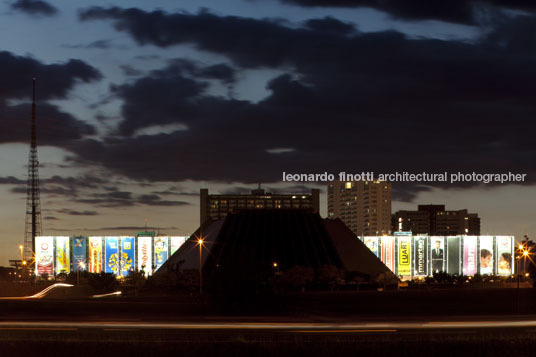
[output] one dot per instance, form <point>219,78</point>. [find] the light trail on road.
<point>40,294</point>
<point>277,326</point>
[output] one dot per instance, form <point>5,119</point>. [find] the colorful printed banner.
<point>469,255</point>
<point>63,254</point>
<point>372,244</point>
<point>176,243</point>
<point>127,255</point>
<point>44,255</point>
<point>421,256</point>
<point>486,255</point>
<point>79,253</point>
<point>388,252</point>
<point>505,256</point>
<point>95,254</point>
<point>404,256</point>
<point>437,252</point>
<point>453,255</point>
<point>144,255</point>
<point>160,251</point>
<point>111,254</point>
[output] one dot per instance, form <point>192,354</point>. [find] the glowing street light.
<point>81,265</point>
<point>200,243</point>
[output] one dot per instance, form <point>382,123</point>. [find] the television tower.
<point>33,202</point>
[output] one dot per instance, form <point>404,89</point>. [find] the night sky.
<point>140,106</point>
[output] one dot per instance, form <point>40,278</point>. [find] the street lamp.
<point>81,265</point>
<point>276,267</point>
<point>523,252</point>
<point>200,243</point>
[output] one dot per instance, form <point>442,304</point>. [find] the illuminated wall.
<point>417,256</point>
<point>110,254</point>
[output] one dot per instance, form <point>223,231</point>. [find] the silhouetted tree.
<point>103,282</point>
<point>136,280</point>
<point>61,277</point>
<point>297,277</point>
<point>386,278</point>
<point>330,275</point>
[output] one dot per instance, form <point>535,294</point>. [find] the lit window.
<point>348,185</point>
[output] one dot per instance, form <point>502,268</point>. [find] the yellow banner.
<point>404,256</point>
<point>63,262</point>
<point>95,254</point>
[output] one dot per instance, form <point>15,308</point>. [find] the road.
<point>465,336</point>
<point>526,323</point>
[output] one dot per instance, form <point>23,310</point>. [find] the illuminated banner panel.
<point>95,254</point>
<point>505,258</point>
<point>437,252</point>
<point>388,252</point>
<point>453,255</point>
<point>404,256</point>
<point>144,255</point>
<point>44,255</point>
<point>421,256</point>
<point>63,254</point>
<point>176,243</point>
<point>160,251</point>
<point>79,253</point>
<point>486,255</point>
<point>372,244</point>
<point>469,255</point>
<point>111,254</point>
<point>127,255</point>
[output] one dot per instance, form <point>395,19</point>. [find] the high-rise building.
<point>364,206</point>
<point>215,207</point>
<point>435,220</point>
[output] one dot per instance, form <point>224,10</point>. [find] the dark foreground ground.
<point>469,322</point>
<point>240,343</point>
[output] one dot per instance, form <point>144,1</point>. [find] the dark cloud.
<point>127,229</point>
<point>53,80</point>
<point>167,89</point>
<point>50,218</point>
<point>176,191</point>
<point>85,181</point>
<point>456,11</point>
<point>130,71</point>
<point>250,43</point>
<point>330,24</point>
<point>127,199</point>
<point>119,195</point>
<point>99,44</point>
<point>54,127</point>
<point>155,200</point>
<point>132,228</point>
<point>78,213</point>
<point>219,71</point>
<point>350,101</point>
<point>50,191</point>
<point>34,7</point>
<point>106,202</point>
<point>58,186</point>
<point>10,180</point>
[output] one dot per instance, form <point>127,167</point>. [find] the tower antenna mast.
<point>33,202</point>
